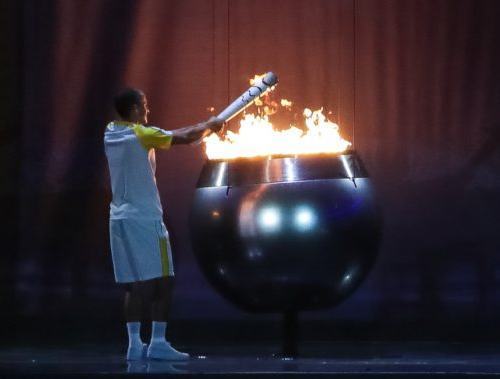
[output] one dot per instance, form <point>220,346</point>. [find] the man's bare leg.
<point>162,300</point>
<point>159,348</point>
<point>133,305</point>
<point>137,295</point>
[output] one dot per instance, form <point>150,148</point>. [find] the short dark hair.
<point>126,99</point>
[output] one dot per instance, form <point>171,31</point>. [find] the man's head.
<point>131,105</point>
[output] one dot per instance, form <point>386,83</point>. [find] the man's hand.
<point>215,124</point>
<point>195,132</point>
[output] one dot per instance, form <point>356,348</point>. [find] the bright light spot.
<point>349,277</point>
<point>290,169</point>
<point>270,219</point>
<point>215,214</point>
<point>305,218</point>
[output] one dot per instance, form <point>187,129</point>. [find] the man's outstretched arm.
<point>195,132</point>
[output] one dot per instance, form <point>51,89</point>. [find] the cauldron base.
<point>290,336</point>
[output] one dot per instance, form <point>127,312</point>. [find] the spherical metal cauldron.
<point>285,234</point>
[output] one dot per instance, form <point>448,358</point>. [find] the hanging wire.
<point>354,70</point>
<point>338,74</point>
<point>214,93</point>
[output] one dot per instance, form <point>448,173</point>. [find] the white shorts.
<point>140,250</point>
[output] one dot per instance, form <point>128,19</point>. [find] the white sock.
<point>134,333</point>
<point>158,331</point>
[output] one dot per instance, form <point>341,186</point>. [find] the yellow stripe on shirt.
<point>152,138</point>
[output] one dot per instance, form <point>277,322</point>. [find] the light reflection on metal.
<point>305,218</point>
<point>254,253</point>
<point>220,173</point>
<point>346,167</point>
<point>246,214</point>
<point>267,169</point>
<point>348,170</point>
<point>350,276</point>
<point>270,219</point>
<point>291,175</point>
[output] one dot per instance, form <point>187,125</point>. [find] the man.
<point>140,247</point>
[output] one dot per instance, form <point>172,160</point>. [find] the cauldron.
<point>283,234</point>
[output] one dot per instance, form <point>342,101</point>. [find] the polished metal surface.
<point>280,169</point>
<point>287,233</point>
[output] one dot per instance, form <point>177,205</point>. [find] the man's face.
<point>141,111</point>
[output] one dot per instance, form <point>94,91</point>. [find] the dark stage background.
<point>414,84</point>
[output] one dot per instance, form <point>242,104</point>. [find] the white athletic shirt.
<point>131,158</point>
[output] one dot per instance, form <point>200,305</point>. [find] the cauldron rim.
<point>281,156</point>
<point>260,170</point>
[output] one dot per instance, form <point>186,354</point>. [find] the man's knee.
<point>164,286</point>
<point>143,289</point>
<point>127,287</point>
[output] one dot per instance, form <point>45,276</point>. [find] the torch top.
<point>270,79</point>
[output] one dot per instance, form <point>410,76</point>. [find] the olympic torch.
<point>258,88</point>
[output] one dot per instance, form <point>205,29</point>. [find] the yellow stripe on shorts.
<point>164,256</point>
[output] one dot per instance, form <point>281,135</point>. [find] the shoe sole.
<point>164,358</point>
<point>168,358</point>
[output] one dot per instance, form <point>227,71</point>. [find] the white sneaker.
<point>136,352</point>
<point>164,351</point>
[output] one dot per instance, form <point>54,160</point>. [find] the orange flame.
<point>258,138</point>
<point>255,78</point>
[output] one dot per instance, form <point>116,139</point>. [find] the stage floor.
<point>318,359</point>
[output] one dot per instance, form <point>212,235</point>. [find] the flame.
<point>255,78</point>
<point>257,137</point>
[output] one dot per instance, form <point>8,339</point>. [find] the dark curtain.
<point>413,84</point>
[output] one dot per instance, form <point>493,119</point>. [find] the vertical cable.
<point>214,92</point>
<point>354,70</point>
<point>339,68</point>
